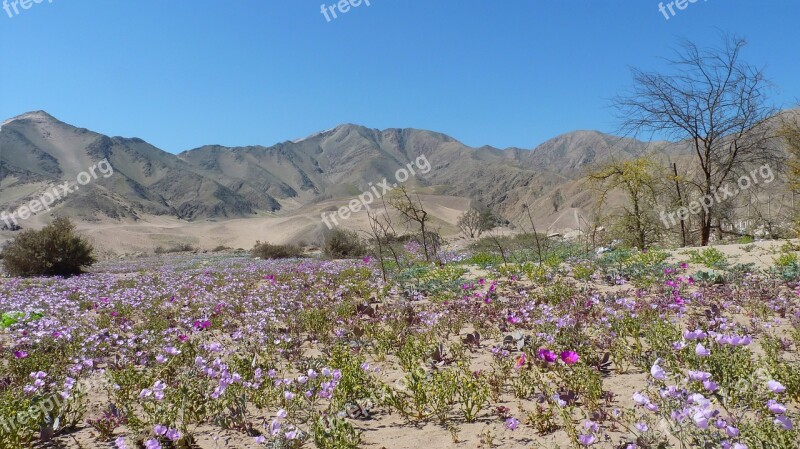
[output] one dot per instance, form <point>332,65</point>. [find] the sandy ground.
<point>305,225</point>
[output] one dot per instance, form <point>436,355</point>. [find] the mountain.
<point>215,182</point>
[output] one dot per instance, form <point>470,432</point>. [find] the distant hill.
<point>215,182</point>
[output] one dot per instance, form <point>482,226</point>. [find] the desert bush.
<point>179,248</point>
<point>55,250</point>
<point>344,244</point>
<point>709,257</point>
<point>269,251</point>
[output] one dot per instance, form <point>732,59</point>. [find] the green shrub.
<point>709,257</point>
<point>269,251</point>
<point>344,244</point>
<point>745,239</point>
<point>786,266</point>
<point>55,250</point>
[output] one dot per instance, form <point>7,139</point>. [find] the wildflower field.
<point>619,350</point>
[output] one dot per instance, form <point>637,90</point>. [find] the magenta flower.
<point>20,354</point>
<point>570,357</point>
<point>546,355</point>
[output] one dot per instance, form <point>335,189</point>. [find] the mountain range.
<point>214,182</point>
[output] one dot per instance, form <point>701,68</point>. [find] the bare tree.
<point>714,102</point>
<point>414,212</point>
<point>470,223</point>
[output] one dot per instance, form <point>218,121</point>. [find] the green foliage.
<point>8,319</point>
<point>269,251</point>
<point>432,280</point>
<point>786,266</point>
<point>55,250</point>
<point>709,258</point>
<point>484,259</point>
<point>332,432</point>
<point>745,239</point>
<point>344,244</point>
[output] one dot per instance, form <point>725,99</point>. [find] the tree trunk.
<point>680,204</point>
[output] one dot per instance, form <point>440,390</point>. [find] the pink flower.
<point>570,357</point>
<point>546,355</point>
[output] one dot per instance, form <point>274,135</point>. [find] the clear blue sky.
<point>181,74</point>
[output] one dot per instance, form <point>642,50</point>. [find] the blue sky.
<point>182,74</point>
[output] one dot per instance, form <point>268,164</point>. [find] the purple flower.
<point>173,435</point>
<point>699,376</point>
<point>775,386</point>
<point>784,422</point>
<point>701,350</point>
<point>586,440</point>
<point>696,335</point>
<point>658,372</point>
<point>120,443</point>
<point>512,423</point>
<point>152,444</point>
<point>776,407</point>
